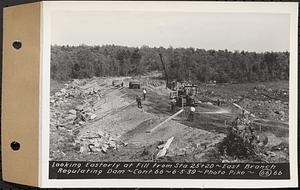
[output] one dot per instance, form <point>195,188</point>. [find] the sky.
<point>219,31</point>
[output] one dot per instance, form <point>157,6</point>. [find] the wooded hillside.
<point>69,62</point>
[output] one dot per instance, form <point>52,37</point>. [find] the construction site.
<point>149,118</point>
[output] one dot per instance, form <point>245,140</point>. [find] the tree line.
<point>77,62</point>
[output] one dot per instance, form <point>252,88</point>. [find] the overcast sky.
<point>234,31</point>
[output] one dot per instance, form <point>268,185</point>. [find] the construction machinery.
<point>184,93</point>
<point>169,84</point>
<point>134,85</point>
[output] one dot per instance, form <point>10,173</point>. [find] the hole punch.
<point>17,45</point>
<point>15,146</point>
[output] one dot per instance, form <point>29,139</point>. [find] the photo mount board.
<point>26,71</point>
<point>21,93</point>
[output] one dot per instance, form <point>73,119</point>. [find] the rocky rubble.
<point>271,109</point>
<point>81,99</point>
<point>261,92</point>
<point>72,108</point>
<point>99,141</point>
<point>266,102</point>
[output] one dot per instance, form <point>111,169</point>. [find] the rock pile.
<point>71,108</point>
<point>97,142</point>
<point>80,98</point>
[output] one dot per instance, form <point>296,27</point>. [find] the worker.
<point>191,114</point>
<point>122,84</point>
<point>144,93</point>
<point>113,83</point>
<point>139,101</point>
<point>218,102</point>
<point>173,104</point>
<point>188,100</point>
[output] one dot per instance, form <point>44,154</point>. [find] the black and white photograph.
<point>169,87</point>
<point>150,94</point>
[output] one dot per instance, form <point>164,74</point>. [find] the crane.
<point>165,70</point>
<point>185,94</point>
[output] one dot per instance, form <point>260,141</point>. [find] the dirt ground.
<point>117,130</point>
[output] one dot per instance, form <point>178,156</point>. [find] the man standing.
<point>191,114</point>
<point>144,93</point>
<point>173,104</point>
<point>139,101</point>
<point>218,102</point>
